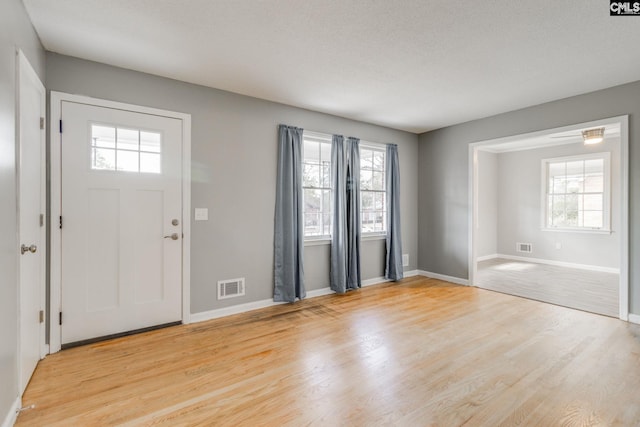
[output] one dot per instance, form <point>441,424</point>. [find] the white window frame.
<point>117,150</point>
<point>372,146</point>
<point>322,138</point>
<point>606,225</point>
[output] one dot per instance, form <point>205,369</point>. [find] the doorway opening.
<point>120,223</point>
<point>540,225</point>
<point>31,168</point>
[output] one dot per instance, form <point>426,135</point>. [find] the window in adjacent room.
<point>316,185</point>
<point>577,193</point>
<point>373,194</point>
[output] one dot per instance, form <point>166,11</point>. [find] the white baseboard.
<point>634,318</point>
<point>456,280</point>
<point>234,309</point>
<point>374,281</point>
<point>560,263</point>
<point>10,418</point>
<point>255,305</point>
<point>487,257</point>
<point>378,280</point>
<point>320,292</point>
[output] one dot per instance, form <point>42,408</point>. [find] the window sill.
<point>576,230</point>
<point>373,236</point>
<point>318,242</point>
<point>327,240</point>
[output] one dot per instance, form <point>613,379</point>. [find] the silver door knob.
<point>174,236</point>
<point>24,249</point>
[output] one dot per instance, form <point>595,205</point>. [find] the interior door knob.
<point>173,236</point>
<point>24,249</point>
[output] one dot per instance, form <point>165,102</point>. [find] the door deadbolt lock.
<point>24,249</point>
<point>175,222</point>
<point>173,236</point>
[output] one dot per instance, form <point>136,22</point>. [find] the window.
<point>316,185</point>
<point>317,191</point>
<point>373,195</point>
<point>577,192</point>
<point>120,149</point>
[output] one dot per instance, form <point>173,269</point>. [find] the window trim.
<point>606,211</point>
<point>317,241</point>
<point>375,146</point>
<point>322,138</point>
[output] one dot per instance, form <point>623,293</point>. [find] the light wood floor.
<point>592,291</point>
<point>419,353</point>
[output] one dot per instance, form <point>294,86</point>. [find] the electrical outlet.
<point>558,245</point>
<point>405,260</point>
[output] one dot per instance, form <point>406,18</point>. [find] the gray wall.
<point>443,201</point>
<point>16,32</point>
<point>519,209</point>
<point>487,226</point>
<point>234,141</point>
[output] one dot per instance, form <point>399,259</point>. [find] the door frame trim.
<point>57,98</point>
<point>24,67</point>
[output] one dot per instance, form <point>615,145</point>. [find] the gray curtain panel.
<point>393,268</point>
<point>345,238</point>
<point>289,231</point>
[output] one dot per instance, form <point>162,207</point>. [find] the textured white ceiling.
<point>415,65</point>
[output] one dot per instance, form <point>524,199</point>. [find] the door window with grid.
<point>120,149</point>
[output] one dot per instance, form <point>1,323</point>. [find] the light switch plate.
<point>202,214</point>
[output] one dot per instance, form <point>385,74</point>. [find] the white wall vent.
<point>231,288</point>
<point>524,247</point>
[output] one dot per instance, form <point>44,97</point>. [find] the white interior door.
<point>31,183</point>
<point>121,223</point>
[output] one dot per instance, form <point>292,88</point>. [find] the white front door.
<point>121,222</point>
<point>31,208</point>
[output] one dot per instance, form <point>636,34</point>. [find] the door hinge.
<point>41,220</point>
<point>60,222</point>
<point>60,318</point>
<point>41,314</point>
<point>60,126</point>
<point>41,122</point>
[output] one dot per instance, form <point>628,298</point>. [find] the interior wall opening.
<point>549,217</point>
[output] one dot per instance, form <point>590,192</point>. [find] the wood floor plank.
<point>417,352</point>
